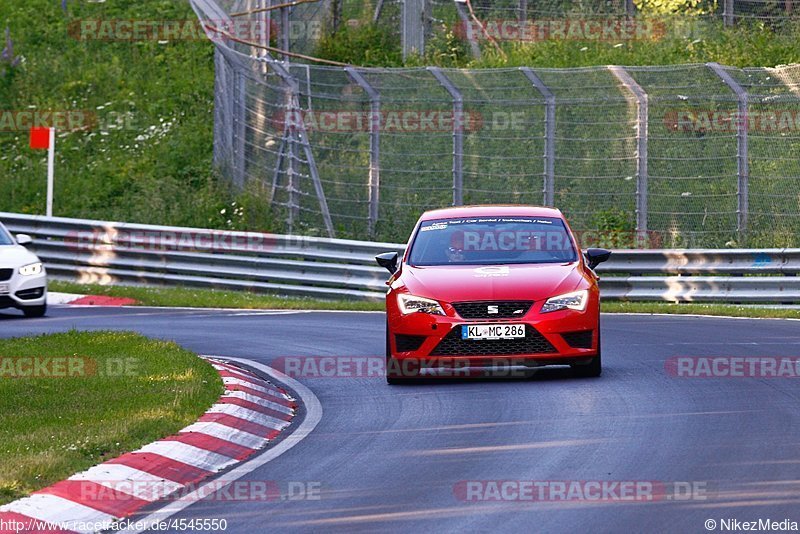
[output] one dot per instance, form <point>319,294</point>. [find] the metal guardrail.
<point>137,254</point>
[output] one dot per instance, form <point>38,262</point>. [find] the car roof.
<point>509,210</point>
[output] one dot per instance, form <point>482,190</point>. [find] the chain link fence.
<point>695,156</point>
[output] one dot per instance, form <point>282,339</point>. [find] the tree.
<point>687,7</point>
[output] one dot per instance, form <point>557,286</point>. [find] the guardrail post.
<point>299,135</point>
<point>742,163</point>
<point>458,134</point>
<point>549,134</point>
<point>374,147</point>
<point>642,103</point>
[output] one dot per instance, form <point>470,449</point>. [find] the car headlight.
<point>31,269</point>
<point>574,301</point>
<point>411,304</point>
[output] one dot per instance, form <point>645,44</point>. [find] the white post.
<point>51,156</point>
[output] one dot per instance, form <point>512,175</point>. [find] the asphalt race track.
<point>392,458</point>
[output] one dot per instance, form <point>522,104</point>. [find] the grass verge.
<point>127,391</point>
<point>727,310</point>
<point>210,298</point>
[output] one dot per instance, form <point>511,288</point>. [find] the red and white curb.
<point>251,413</point>
<point>73,299</point>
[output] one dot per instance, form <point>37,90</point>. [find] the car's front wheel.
<point>592,369</point>
<point>35,311</point>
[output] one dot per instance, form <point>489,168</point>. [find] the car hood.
<point>15,256</point>
<point>507,282</point>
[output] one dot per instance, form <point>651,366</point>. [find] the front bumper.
<point>555,338</point>
<point>24,291</point>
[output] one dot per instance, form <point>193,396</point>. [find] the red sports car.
<point>492,286</point>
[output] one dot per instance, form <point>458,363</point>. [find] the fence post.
<point>642,129</point>
<point>222,112</point>
<point>285,31</point>
<point>458,134</point>
<point>630,8</point>
<point>413,27</point>
<point>378,9</point>
<point>727,12</point>
<point>549,135</point>
<point>298,135</point>
<point>239,127</point>
<point>469,30</point>
<point>374,147</point>
<point>742,163</point>
<point>523,10</point>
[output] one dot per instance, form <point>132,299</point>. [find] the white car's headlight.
<point>573,301</point>
<point>30,270</point>
<point>411,304</point>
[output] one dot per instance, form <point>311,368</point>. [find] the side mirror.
<point>24,239</point>
<point>388,260</point>
<point>596,256</point>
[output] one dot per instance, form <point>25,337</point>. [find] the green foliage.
<point>445,49</point>
<point>361,44</point>
<point>685,7</point>
<point>686,40</point>
<point>615,228</point>
<point>148,157</point>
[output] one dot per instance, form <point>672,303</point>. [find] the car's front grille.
<point>503,309</point>
<point>532,343</point>
<point>406,343</point>
<point>6,302</point>
<point>5,274</point>
<point>579,340</point>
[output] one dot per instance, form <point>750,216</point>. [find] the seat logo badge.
<point>492,271</point>
<point>493,310</point>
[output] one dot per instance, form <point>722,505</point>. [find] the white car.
<point>23,280</point>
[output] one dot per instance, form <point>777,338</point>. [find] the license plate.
<point>492,331</point>
<point>3,289</point>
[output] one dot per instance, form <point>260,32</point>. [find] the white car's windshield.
<point>5,238</point>
<point>492,241</point>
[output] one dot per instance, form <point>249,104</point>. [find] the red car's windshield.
<point>492,241</point>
